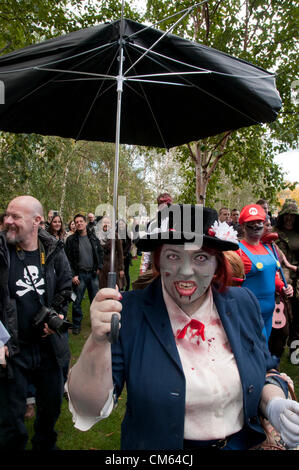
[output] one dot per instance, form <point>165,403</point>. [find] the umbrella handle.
<point>114,331</point>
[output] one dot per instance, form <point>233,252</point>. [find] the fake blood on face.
<point>185,288</point>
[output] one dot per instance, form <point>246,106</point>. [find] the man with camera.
<point>35,288</point>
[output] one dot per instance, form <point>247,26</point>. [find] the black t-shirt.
<point>21,289</point>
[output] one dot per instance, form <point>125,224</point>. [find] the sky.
<point>289,162</point>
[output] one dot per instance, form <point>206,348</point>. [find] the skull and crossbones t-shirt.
<point>22,290</point>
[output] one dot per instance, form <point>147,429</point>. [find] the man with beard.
<point>34,276</point>
<point>261,267</point>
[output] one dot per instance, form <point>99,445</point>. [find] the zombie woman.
<point>190,351</point>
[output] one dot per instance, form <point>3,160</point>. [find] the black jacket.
<point>72,251</point>
<point>58,278</point>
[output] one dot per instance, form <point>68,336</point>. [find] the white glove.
<point>284,416</point>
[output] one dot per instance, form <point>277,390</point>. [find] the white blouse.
<point>214,397</point>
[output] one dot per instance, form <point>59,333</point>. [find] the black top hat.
<point>177,224</point>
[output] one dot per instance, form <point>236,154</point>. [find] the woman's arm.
<point>282,413</point>
<point>90,380</point>
<point>269,391</point>
<point>285,261</point>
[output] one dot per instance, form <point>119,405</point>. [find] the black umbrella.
<point>175,92</point>
<point>170,90</point>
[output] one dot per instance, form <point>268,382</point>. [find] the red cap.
<point>252,212</point>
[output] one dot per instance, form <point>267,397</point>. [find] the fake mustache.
<point>255,229</point>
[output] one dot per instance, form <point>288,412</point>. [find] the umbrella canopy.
<point>176,92</point>
<point>170,91</point>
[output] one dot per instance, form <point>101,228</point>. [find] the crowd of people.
<point>199,355</point>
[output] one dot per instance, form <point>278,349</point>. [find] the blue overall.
<point>261,281</point>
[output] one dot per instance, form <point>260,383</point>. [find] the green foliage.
<point>92,12</point>
<point>66,175</point>
<point>248,163</point>
<point>69,176</point>
<point>26,22</point>
<point>265,34</point>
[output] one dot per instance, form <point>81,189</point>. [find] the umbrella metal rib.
<point>196,86</point>
<point>104,46</point>
<point>185,64</point>
<point>144,96</point>
<point>159,40</point>
<point>196,5</point>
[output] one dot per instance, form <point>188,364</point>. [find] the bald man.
<point>91,221</point>
<point>34,276</point>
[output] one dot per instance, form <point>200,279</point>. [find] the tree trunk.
<point>201,185</point>
<point>62,200</point>
<point>206,158</point>
<point>108,184</point>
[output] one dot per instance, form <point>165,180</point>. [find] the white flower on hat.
<point>224,231</point>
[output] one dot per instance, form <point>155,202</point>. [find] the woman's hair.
<point>237,267</point>
<point>124,231</point>
<point>121,220</point>
<point>70,223</point>
<point>223,273</point>
<point>60,232</point>
<point>280,222</point>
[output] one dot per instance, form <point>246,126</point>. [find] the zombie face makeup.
<point>254,229</point>
<point>186,274</point>
<point>289,220</point>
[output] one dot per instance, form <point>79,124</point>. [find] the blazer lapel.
<point>229,315</point>
<point>157,316</point>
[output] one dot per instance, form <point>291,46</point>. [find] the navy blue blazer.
<point>147,361</point>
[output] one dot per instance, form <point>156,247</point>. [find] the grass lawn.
<point>105,435</point>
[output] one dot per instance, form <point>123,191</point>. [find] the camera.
<point>51,317</point>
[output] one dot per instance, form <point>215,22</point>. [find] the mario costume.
<point>260,267</point>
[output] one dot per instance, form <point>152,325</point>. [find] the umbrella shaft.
<point>117,147</point>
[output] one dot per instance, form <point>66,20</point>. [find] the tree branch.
<point>214,164</point>
<point>222,143</point>
<point>192,153</point>
<point>207,20</point>
<point>246,33</point>
<point>6,47</point>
